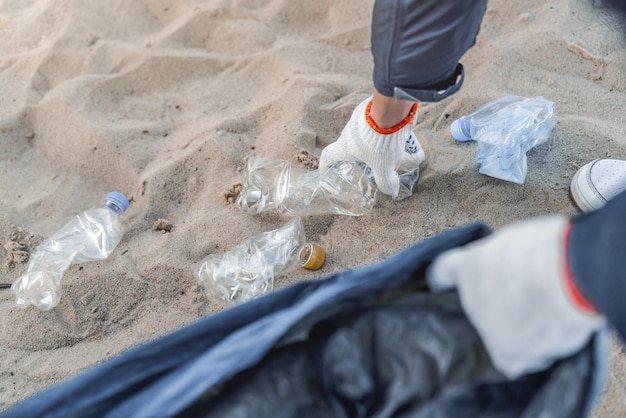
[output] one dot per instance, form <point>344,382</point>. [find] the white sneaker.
<point>597,182</point>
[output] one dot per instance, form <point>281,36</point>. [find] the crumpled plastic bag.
<point>506,129</point>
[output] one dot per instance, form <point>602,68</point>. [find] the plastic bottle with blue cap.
<point>89,236</point>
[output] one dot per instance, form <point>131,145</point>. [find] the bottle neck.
<point>112,206</point>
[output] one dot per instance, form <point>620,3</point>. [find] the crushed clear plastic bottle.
<point>346,188</point>
<point>90,235</point>
<point>506,129</point>
<point>343,189</point>
<point>248,270</point>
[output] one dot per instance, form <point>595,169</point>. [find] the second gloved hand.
<point>516,289</point>
<point>381,149</point>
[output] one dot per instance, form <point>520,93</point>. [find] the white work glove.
<point>381,152</point>
<point>515,288</point>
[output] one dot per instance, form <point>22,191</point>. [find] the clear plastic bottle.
<point>277,185</point>
<point>90,235</point>
<point>506,129</point>
<point>346,188</point>
<point>248,270</point>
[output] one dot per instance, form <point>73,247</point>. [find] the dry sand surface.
<point>165,100</point>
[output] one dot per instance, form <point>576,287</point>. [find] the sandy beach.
<point>165,101</point>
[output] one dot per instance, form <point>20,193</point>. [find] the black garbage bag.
<point>370,342</point>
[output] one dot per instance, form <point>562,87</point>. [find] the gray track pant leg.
<point>417,45</point>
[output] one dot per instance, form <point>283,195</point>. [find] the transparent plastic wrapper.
<point>90,235</point>
<point>249,269</point>
<point>506,129</point>
<point>346,188</point>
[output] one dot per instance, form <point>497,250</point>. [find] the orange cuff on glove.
<point>577,297</point>
<point>386,131</point>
